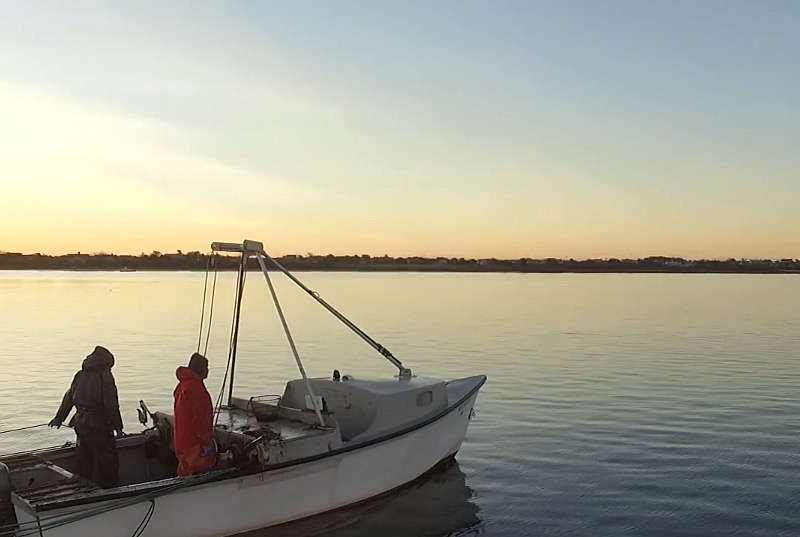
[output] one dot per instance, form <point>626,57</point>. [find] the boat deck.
<point>245,422</point>
<point>38,479</point>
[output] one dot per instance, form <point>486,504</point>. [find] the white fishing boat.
<point>324,444</point>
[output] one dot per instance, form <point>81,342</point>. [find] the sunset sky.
<point>476,129</point>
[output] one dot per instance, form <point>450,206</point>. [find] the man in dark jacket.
<point>94,395</point>
<point>194,418</point>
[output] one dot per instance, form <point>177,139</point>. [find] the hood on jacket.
<point>100,358</point>
<point>185,374</point>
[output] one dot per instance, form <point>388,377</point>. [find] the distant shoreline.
<point>426,270</point>
<point>195,261</point>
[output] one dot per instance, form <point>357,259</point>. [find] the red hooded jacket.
<point>194,423</point>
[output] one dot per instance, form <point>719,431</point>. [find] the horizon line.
<point>310,255</point>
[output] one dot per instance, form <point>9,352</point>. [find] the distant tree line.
<point>199,261</point>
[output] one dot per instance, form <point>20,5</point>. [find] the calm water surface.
<point>616,404</point>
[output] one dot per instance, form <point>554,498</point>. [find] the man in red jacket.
<point>194,419</point>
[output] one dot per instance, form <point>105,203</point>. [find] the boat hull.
<point>277,496</point>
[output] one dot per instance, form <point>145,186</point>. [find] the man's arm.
<point>66,405</point>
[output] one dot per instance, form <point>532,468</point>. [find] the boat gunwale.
<point>224,475</point>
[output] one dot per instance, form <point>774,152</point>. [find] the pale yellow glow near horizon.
<point>82,178</point>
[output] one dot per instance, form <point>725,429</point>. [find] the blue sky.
<point>478,129</point>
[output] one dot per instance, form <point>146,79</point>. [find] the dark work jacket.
<point>94,394</point>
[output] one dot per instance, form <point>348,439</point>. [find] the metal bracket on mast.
<point>250,247</point>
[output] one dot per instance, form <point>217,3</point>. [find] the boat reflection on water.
<point>439,503</point>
